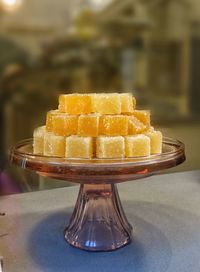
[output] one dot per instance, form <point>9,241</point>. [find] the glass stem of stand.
<point>98,222</point>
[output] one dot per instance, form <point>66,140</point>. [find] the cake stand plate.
<point>98,222</point>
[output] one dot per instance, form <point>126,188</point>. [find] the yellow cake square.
<point>113,125</point>
<point>135,126</point>
<point>54,145</point>
<point>64,124</point>
<point>137,145</point>
<point>156,141</point>
<point>49,117</point>
<point>143,116</point>
<point>79,147</point>
<point>127,103</point>
<point>38,140</point>
<point>88,125</point>
<point>76,103</point>
<point>107,103</point>
<point>110,147</point>
<point>150,129</point>
<point>134,102</point>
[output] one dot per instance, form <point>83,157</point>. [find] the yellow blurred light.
<point>10,4</point>
<point>99,4</point>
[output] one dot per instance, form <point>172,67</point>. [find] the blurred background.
<point>48,47</point>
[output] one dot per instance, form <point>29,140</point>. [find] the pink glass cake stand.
<point>98,222</point>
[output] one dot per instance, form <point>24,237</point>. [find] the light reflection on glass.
<point>90,243</point>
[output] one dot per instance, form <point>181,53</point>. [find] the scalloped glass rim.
<point>98,170</point>
<point>176,146</point>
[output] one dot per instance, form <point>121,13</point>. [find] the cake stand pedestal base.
<point>98,222</point>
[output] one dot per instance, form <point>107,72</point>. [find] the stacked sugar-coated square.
<point>97,126</point>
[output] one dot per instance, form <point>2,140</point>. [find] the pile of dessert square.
<point>97,125</point>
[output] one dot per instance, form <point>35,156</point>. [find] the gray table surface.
<point>164,211</point>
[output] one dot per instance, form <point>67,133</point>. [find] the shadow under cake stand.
<point>98,222</point>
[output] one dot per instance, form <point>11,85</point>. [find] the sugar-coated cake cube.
<point>143,116</point>
<point>54,145</point>
<point>137,145</point>
<point>94,139</point>
<point>79,147</point>
<point>110,147</point>
<point>135,126</point>
<point>113,125</point>
<point>156,141</point>
<point>107,103</point>
<point>49,118</point>
<point>127,103</point>
<point>150,129</point>
<point>76,103</point>
<point>134,102</point>
<point>64,124</point>
<point>88,125</point>
<point>38,140</point>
